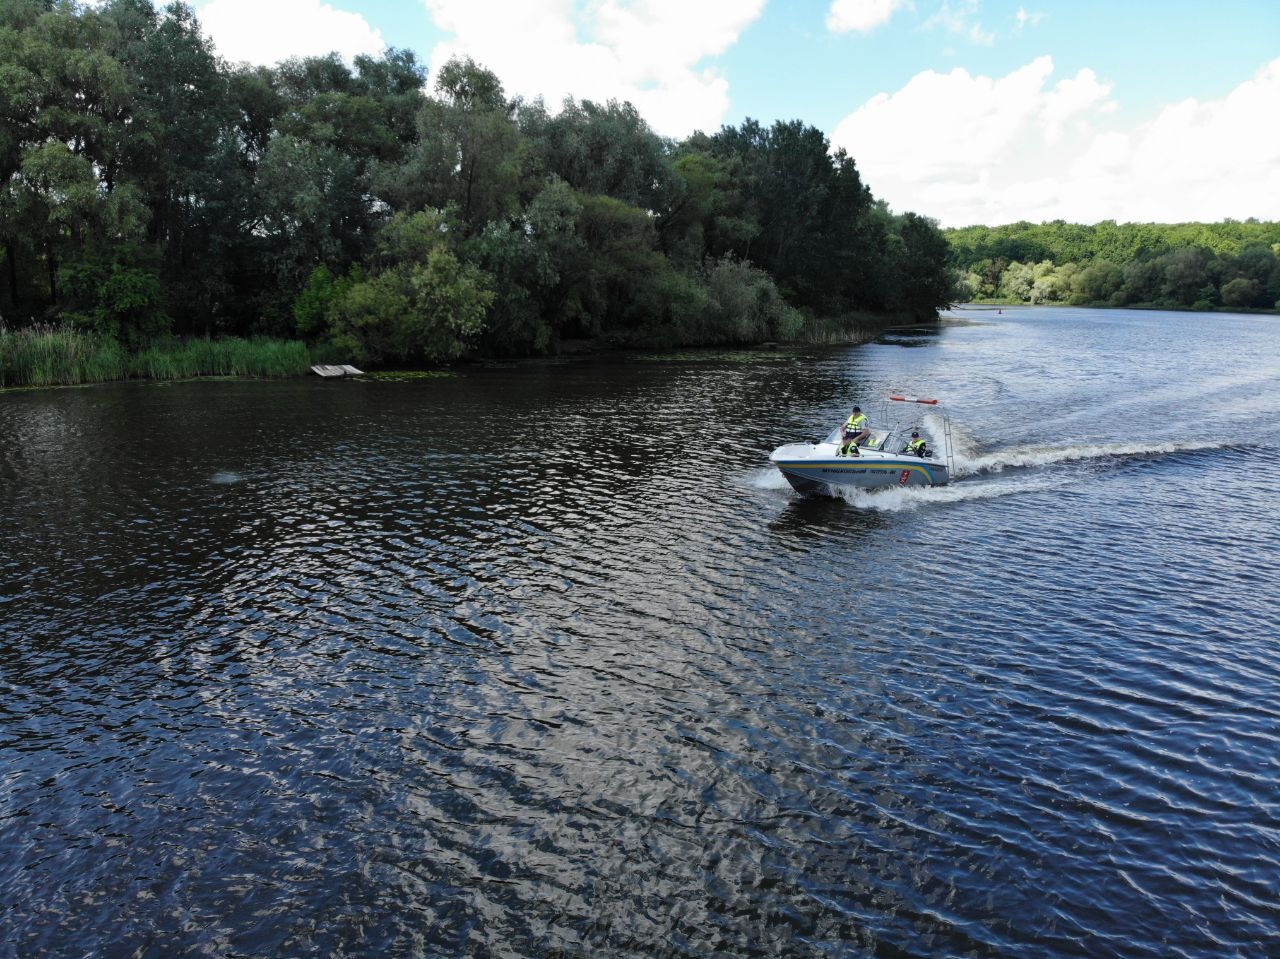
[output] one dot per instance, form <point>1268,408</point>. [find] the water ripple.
<point>349,674</point>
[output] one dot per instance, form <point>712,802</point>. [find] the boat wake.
<point>968,465</point>
<point>980,476</point>
<point>895,499</point>
<point>901,499</point>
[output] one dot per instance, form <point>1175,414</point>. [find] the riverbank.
<point>1201,307</point>
<point>49,355</point>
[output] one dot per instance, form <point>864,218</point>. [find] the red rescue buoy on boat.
<point>914,399</point>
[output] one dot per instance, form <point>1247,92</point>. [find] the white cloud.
<point>974,149</point>
<point>1024,19</point>
<point>646,51</point>
<point>961,19</point>
<point>861,16</point>
<point>268,31</point>
<point>1073,97</point>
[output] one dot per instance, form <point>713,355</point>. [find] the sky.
<point>965,111</point>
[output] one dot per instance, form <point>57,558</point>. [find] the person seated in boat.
<point>917,446</point>
<point>857,430</point>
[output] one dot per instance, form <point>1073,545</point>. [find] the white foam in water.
<point>980,475</point>
<point>225,478</point>
<point>767,478</point>
<point>896,499</point>
<point>967,465</point>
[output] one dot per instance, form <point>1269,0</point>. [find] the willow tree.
<point>467,155</point>
<point>59,93</point>
<point>419,302</point>
<point>600,149</point>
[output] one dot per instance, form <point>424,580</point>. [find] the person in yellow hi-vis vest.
<point>857,430</point>
<point>917,446</point>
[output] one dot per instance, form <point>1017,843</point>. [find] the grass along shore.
<point>61,356</point>
<point>51,355</point>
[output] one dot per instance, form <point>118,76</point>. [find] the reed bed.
<point>845,330</point>
<point>853,328</point>
<point>55,356</point>
<point>183,359</point>
<point>62,356</point>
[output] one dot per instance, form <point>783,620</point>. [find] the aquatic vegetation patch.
<point>714,356</point>
<point>407,376</point>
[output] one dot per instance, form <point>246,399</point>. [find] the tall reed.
<point>173,359</point>
<point>57,355</point>
<point>849,329</point>
<point>852,328</point>
<point>54,355</point>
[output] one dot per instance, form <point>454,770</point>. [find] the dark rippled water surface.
<point>545,661</point>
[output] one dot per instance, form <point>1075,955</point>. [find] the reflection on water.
<point>546,660</point>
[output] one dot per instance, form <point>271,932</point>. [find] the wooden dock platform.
<point>321,369</point>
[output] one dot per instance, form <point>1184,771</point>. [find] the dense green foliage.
<point>148,189</point>
<point>1234,264</point>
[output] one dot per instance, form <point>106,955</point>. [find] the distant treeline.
<point>148,189</point>
<point>1199,265</point>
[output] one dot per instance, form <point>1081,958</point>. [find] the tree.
<point>468,154</point>
<point>1096,283</point>
<point>1142,280</point>
<point>312,212</point>
<point>1258,264</point>
<point>744,306</point>
<point>621,259</point>
<point>60,95</point>
<point>817,234</point>
<point>394,83</point>
<point>1239,292</point>
<point>788,171</point>
<point>318,138</point>
<point>116,290</point>
<point>1186,275</point>
<point>1047,285</point>
<point>922,280</point>
<point>538,266</point>
<point>1160,262</point>
<point>420,303</point>
<point>146,186</point>
<point>1016,282</point>
<point>709,214</point>
<point>607,150</point>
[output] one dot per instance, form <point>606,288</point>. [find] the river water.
<point>545,660</point>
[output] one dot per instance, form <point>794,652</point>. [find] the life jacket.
<point>916,446</point>
<point>856,423</point>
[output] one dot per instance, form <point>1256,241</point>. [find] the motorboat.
<point>882,460</point>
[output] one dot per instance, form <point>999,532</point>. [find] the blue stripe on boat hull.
<point>809,476</point>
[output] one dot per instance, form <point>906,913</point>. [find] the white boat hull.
<point>809,467</point>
